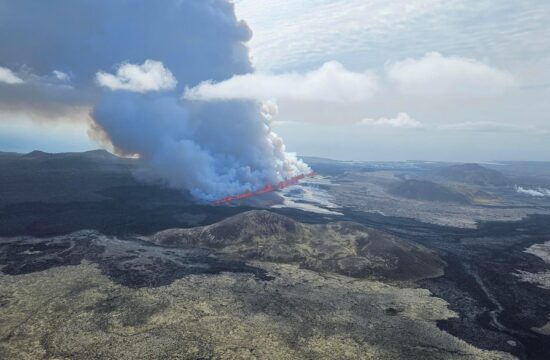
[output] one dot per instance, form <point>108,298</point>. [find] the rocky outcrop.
<point>343,247</point>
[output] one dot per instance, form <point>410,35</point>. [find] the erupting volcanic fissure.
<point>129,75</point>
<point>266,189</point>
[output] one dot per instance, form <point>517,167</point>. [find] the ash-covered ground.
<point>366,261</point>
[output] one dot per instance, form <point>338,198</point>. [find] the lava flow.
<point>266,189</point>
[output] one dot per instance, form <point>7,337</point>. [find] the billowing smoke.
<point>211,149</point>
<point>131,61</point>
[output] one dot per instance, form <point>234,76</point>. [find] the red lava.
<point>266,189</point>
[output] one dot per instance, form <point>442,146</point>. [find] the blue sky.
<point>22,135</point>
<point>458,80</point>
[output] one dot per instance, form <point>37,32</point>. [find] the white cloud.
<point>437,75</point>
<point>482,126</point>
<point>61,76</point>
<point>540,192</point>
<point>290,32</point>
<point>433,75</point>
<point>402,120</point>
<point>150,76</point>
<point>492,127</point>
<point>7,76</point>
<point>332,82</point>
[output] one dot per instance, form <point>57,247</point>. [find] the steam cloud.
<point>539,192</point>
<point>131,61</point>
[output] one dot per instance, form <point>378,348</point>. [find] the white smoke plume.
<point>131,61</point>
<point>539,192</point>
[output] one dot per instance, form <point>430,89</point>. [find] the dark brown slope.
<point>473,174</point>
<point>424,190</point>
<point>61,178</point>
<point>344,247</point>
